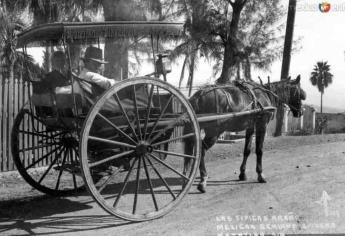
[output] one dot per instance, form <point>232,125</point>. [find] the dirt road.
<point>304,194</point>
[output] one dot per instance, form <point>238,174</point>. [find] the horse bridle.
<point>279,100</point>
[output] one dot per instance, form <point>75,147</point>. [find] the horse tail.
<point>194,101</point>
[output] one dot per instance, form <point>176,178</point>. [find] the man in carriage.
<point>93,61</point>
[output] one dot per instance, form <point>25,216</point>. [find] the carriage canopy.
<point>85,32</point>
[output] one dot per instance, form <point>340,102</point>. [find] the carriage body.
<point>122,145</point>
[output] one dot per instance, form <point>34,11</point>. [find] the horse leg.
<point>260,137</point>
<point>207,143</point>
<point>246,152</point>
<point>188,150</point>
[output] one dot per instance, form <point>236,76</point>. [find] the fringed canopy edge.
<point>54,33</point>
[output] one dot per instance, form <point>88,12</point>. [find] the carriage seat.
<point>54,94</point>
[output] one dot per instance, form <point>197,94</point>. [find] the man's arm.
<point>100,80</point>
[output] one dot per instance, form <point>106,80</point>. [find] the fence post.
<point>5,125</point>
<point>11,115</point>
<point>301,120</point>
<point>313,120</point>
<point>286,119</point>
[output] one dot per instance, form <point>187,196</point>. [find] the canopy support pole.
<point>67,49</point>
<point>154,55</point>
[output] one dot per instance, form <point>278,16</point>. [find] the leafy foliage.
<point>257,41</point>
<point>12,59</point>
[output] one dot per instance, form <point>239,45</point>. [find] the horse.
<point>237,97</point>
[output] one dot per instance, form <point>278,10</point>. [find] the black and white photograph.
<point>172,117</point>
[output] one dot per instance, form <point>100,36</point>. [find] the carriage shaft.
<point>213,117</point>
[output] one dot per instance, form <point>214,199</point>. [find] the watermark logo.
<point>325,7</point>
<point>325,198</point>
<point>324,202</point>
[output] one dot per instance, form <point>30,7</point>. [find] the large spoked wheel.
<point>46,158</point>
<point>127,167</point>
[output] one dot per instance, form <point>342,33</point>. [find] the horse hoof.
<point>261,179</point>
<point>201,188</point>
<point>243,177</point>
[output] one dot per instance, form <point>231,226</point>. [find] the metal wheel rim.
<point>83,149</point>
<point>24,168</point>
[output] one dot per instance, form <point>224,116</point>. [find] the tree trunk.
<point>182,71</point>
<point>286,60</point>
<point>231,50</point>
<point>238,76</point>
<point>321,104</point>
<point>191,73</point>
<point>115,52</point>
<point>247,70</point>
<point>288,39</point>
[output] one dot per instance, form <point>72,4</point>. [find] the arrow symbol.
<point>325,198</point>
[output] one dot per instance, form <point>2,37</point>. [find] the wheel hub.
<point>69,141</point>
<point>143,148</point>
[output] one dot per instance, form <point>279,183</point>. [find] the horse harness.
<point>244,86</point>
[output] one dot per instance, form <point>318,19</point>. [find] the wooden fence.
<point>13,95</point>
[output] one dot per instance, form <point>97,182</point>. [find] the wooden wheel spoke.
<point>170,125</point>
<point>174,154</point>
<point>51,165</point>
<point>137,187</point>
<point>168,166</point>
<point>137,112</point>
<point>110,158</point>
<point>124,184</point>
<point>116,128</point>
<point>57,134</point>
<point>34,133</point>
<point>76,151</point>
<point>160,176</point>
<point>173,139</point>
<point>125,114</point>
<point>61,169</point>
<point>150,184</point>
<point>148,110</point>
<point>47,141</point>
<point>37,147</point>
<point>111,142</point>
<point>160,116</point>
<point>41,158</point>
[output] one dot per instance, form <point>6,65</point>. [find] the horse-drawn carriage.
<point>126,146</point>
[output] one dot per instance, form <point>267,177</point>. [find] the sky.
<point>322,39</point>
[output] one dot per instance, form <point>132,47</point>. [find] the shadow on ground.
<point>60,225</point>
<point>37,216</point>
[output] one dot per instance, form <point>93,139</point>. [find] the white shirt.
<point>98,79</point>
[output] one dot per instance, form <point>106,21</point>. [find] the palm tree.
<point>321,77</point>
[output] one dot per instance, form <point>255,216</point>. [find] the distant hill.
<point>327,109</point>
